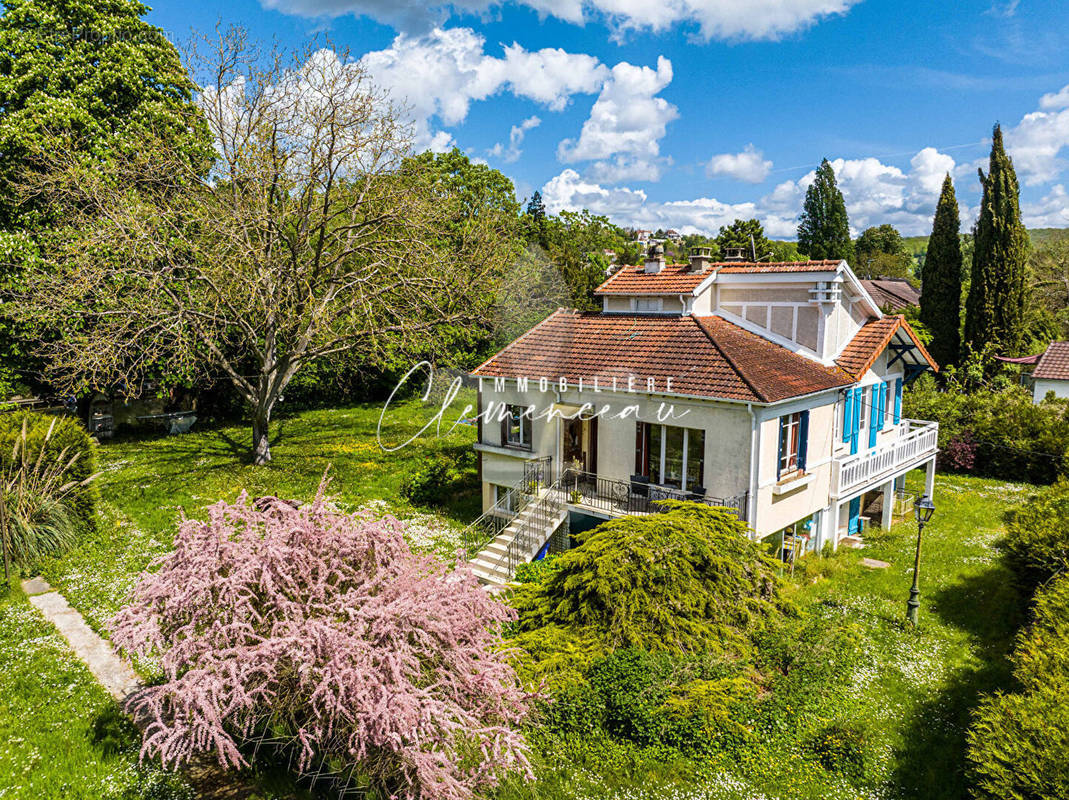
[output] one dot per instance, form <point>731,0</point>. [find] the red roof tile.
<point>1054,363</point>
<point>863,350</point>
<point>704,357</point>
<point>678,279</point>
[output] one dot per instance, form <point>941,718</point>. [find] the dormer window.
<point>647,305</point>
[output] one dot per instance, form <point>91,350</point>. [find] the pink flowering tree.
<point>325,629</point>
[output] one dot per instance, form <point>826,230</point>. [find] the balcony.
<point>918,443</point>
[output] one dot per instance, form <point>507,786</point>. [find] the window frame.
<point>644,454</point>
<point>521,415</point>
<point>788,462</point>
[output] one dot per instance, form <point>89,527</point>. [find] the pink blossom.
<point>326,627</point>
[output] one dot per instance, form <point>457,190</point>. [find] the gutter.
<point>755,459</point>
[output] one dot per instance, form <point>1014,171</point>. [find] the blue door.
<point>853,517</point>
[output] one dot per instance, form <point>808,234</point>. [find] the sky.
<point>687,114</point>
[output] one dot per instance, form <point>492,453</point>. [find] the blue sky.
<point>688,113</point>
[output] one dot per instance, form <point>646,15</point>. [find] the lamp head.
<point>923,508</point>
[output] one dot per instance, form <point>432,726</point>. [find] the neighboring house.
<point>784,386</point>
<point>1046,372</point>
<point>892,294</point>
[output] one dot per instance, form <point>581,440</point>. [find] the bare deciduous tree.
<point>310,234</point>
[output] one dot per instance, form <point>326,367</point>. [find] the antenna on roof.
<point>753,247</point>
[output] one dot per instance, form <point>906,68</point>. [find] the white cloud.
<point>874,192</point>
<point>1051,211</point>
<point>439,75</point>
<point>1035,142</point>
<point>750,165</point>
<point>512,152</point>
<point>715,19</point>
<point>623,132</point>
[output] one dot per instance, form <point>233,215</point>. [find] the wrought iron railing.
<point>537,473</point>
<point>627,497</point>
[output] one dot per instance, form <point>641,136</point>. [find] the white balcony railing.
<point>919,442</point>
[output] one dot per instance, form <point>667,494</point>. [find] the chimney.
<point>655,260</point>
<point>701,258</point>
<point>735,253</point>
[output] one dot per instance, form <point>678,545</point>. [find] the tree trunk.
<point>261,444</point>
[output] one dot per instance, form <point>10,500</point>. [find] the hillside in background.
<point>918,245</point>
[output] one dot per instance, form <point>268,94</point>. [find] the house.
<point>1045,372</point>
<point>771,388</point>
<point>892,294</point>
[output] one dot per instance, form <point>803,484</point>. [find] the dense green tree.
<point>97,75</point>
<point>748,234</point>
<point>996,310</point>
<point>823,228</point>
<point>941,287</point>
<point>576,242</point>
<point>784,251</point>
<point>880,253</point>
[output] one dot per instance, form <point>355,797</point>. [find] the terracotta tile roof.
<point>672,279</point>
<point>863,350</point>
<point>704,357</point>
<point>678,279</point>
<point>1054,363</point>
<point>892,293</point>
<point>730,267</point>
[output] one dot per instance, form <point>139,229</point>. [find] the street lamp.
<point>923,508</point>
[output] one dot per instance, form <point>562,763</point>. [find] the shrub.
<point>996,432</point>
<point>39,494</point>
<point>1036,546</point>
<point>57,437</point>
<point>840,748</point>
<point>323,630</point>
<point>686,580</point>
<point>536,571</point>
<point>440,477</point>
<point>1019,742</point>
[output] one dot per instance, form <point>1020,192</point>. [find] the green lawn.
<point>911,691</point>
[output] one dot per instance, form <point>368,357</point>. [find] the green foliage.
<point>1019,742</point>
<point>941,289</point>
<point>52,440</point>
<point>437,480</point>
<point>1036,546</point>
<point>995,312</point>
<point>748,234</point>
<point>880,253</point>
<point>840,747</point>
<point>993,430</point>
<point>823,228</point>
<point>537,571</point>
<point>688,579</point>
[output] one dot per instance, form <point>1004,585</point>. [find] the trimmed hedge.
<point>1036,546</point>
<point>68,433</point>
<point>1019,742</point>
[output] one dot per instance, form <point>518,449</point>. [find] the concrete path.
<point>112,672</point>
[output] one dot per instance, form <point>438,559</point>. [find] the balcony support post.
<point>888,505</point>
<point>929,478</point>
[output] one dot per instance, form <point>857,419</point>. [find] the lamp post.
<point>923,508</point>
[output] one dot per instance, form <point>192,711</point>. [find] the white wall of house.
<point>1041,386</point>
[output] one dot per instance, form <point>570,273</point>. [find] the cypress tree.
<point>995,310</point>
<point>941,286</point>
<point>823,229</point>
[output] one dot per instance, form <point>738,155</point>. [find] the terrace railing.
<point>625,497</point>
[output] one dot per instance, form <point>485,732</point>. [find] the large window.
<point>516,427</point>
<point>670,456</point>
<point>793,432</point>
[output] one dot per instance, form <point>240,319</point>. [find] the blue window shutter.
<point>855,427</point>
<point>898,400</point>
<point>803,440</point>
<point>848,415</point>
<point>882,403</point>
<point>874,408</point>
<point>779,449</point>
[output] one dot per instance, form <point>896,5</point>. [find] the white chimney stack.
<point>655,260</point>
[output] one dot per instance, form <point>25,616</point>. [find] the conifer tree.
<point>823,228</point>
<point>941,279</point>
<point>995,310</point>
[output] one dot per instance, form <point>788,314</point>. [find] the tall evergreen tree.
<point>823,228</point>
<point>941,284</point>
<point>995,310</point>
